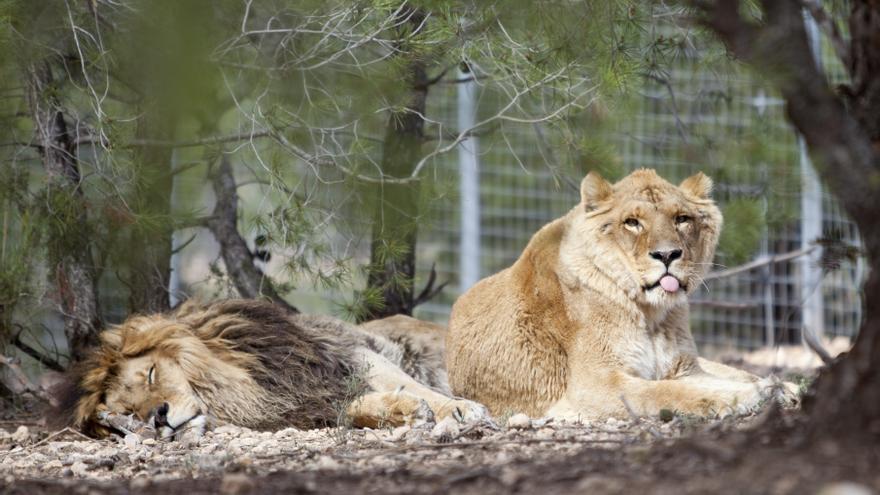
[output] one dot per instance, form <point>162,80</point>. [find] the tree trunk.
<point>150,261</point>
<point>70,254</point>
<point>395,224</point>
<point>844,140</point>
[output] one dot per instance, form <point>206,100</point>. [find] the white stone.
<point>132,440</point>
<point>21,434</point>
<point>400,432</point>
<point>519,421</point>
<point>79,468</point>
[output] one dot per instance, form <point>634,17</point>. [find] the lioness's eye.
<point>682,219</point>
<point>631,222</point>
<point>151,376</point>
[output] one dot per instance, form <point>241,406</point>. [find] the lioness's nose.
<point>666,257</point>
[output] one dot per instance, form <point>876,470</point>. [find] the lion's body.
<point>580,319</point>
<point>254,364</point>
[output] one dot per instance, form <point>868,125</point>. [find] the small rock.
<point>132,440</point>
<point>139,483</point>
<point>79,468</point>
<point>285,432</point>
<point>519,421</point>
<point>21,434</point>
<point>53,464</point>
<point>231,430</point>
<point>400,432</point>
<point>666,415</point>
<point>149,442</point>
<point>326,462</point>
<point>236,484</point>
<point>844,488</point>
<point>446,430</point>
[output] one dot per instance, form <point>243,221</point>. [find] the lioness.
<point>592,319</point>
<point>254,364</point>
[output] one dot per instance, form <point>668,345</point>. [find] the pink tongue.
<point>669,283</point>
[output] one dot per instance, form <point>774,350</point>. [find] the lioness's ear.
<point>699,185</point>
<point>594,189</point>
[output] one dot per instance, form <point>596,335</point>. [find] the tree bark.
<point>70,254</point>
<point>395,224</point>
<point>248,279</point>
<point>844,139</point>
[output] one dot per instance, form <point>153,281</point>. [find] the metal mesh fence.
<point>684,124</point>
<point>691,119</point>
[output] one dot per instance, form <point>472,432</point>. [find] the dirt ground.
<point>682,455</point>
<point>763,453</point>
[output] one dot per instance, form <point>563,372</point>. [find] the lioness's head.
<point>159,370</point>
<point>655,240</point>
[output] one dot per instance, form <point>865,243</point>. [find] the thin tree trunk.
<point>150,262</point>
<point>395,224</point>
<point>248,279</point>
<point>70,255</point>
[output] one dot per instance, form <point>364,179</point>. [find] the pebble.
<point>132,440</point>
<point>519,421</point>
<point>844,488</point>
<point>399,433</point>
<point>79,468</point>
<point>235,484</point>
<point>22,433</point>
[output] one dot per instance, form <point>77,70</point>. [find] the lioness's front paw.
<point>463,410</point>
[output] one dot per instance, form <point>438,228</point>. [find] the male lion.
<point>254,364</point>
<point>592,319</point>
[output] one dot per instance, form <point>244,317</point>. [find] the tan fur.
<point>578,327</point>
<point>254,364</point>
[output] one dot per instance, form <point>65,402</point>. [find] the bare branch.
<point>38,356</point>
<point>758,263</point>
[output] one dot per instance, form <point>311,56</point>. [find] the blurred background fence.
<point>674,127</point>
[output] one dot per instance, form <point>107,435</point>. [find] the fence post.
<point>469,183</point>
<point>811,216</point>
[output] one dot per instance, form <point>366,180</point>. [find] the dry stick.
<point>767,260</point>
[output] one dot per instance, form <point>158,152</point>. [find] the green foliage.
<point>317,82</point>
<point>743,228</point>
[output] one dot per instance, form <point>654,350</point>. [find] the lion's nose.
<point>160,415</point>
<point>666,257</point>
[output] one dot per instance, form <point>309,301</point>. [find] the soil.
<point>682,455</point>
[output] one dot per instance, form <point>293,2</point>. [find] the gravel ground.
<point>31,453</point>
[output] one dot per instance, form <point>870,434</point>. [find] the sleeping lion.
<point>253,364</point>
<point>592,319</point>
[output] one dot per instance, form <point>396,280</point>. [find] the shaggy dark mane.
<point>314,371</point>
